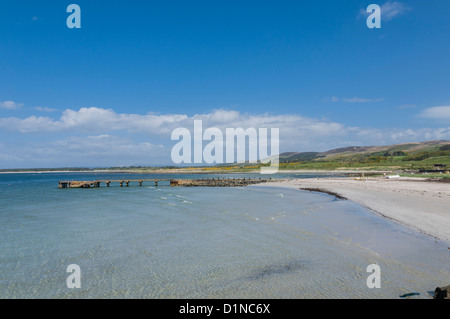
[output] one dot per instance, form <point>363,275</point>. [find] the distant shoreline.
<point>62,171</point>
<point>196,171</point>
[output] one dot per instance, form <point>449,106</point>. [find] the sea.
<point>164,242</point>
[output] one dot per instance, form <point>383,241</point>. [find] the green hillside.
<point>430,155</point>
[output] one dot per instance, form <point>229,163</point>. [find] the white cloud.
<point>101,137</point>
<point>354,100</point>
<point>392,9</point>
<point>389,10</point>
<point>45,109</point>
<point>10,105</point>
<point>360,100</point>
<point>93,119</point>
<point>28,125</point>
<point>437,112</point>
<point>102,150</point>
<point>104,145</point>
<point>100,121</point>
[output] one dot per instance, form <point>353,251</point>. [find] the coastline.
<point>414,203</point>
<point>199,171</point>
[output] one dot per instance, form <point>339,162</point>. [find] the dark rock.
<point>442,293</point>
<point>410,295</point>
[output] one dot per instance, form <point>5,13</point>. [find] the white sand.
<point>424,206</point>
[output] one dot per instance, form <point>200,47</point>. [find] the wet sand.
<point>418,204</point>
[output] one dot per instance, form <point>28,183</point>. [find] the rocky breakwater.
<point>216,182</point>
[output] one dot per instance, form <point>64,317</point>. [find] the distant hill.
<point>406,151</point>
<point>291,157</point>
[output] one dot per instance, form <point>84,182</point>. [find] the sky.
<point>111,92</point>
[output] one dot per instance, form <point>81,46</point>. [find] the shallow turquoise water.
<point>251,242</point>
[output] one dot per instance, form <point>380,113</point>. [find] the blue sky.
<point>111,92</point>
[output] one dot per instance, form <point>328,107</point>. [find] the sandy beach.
<point>421,205</point>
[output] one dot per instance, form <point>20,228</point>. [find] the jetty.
<point>210,182</point>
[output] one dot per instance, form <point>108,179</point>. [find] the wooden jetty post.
<point>64,184</point>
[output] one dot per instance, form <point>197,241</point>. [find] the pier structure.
<point>209,182</point>
<point>98,183</point>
